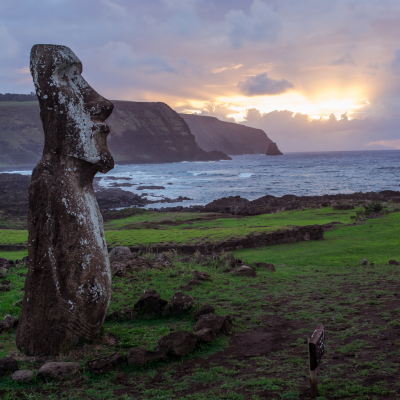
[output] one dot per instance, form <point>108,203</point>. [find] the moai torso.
<point>68,287</point>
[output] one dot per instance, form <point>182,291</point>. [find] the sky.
<point>315,75</point>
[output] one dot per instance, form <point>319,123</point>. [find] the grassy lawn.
<point>273,313</point>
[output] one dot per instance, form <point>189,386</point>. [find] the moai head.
<point>72,113</point>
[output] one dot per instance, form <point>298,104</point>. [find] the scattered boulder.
<point>205,335</point>
<point>59,370</point>
<point>162,259</point>
<point>8,323</point>
<point>104,365</point>
<point>267,266</point>
<point>150,303</point>
<point>6,264</point>
<point>181,303</point>
<point>194,282</point>
<point>177,344</point>
<point>218,323</point>
<point>201,276</point>
<point>119,253</point>
<point>244,270</point>
<point>364,261</point>
<point>207,309</point>
<point>8,365</point>
<point>394,262</point>
<point>230,259</point>
<point>23,375</point>
<point>141,356</point>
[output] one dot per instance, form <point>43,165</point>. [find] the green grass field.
<point>315,282</point>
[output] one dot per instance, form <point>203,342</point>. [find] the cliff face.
<point>140,133</point>
<point>153,132</point>
<point>231,138</point>
<point>273,150</point>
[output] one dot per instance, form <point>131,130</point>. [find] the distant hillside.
<point>231,138</point>
<point>140,133</point>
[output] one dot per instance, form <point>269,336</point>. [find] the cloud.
<point>396,62</point>
<point>9,47</point>
<point>260,85</point>
<point>261,25</point>
<point>346,59</point>
<point>395,144</point>
<point>218,70</point>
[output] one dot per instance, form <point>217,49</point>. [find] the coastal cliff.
<point>229,137</point>
<point>140,133</point>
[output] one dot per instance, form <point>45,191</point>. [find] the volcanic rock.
<point>65,224</point>
<point>207,309</point>
<point>394,262</point>
<point>141,356</point>
<point>244,270</point>
<point>267,266</point>
<point>218,323</point>
<point>7,366</point>
<point>7,323</point>
<point>230,259</point>
<point>150,303</point>
<point>180,303</point>
<point>177,344</point>
<point>7,264</point>
<point>201,276</point>
<point>119,253</point>
<point>59,369</point>
<point>23,375</point>
<point>205,335</point>
<point>104,365</point>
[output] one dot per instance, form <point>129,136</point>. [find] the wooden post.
<point>316,349</point>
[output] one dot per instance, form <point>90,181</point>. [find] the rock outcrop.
<point>68,286</point>
<point>273,150</point>
<point>229,137</point>
<point>141,133</point>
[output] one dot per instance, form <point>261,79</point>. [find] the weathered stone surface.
<point>119,253</point>
<point>201,276</point>
<point>230,259</point>
<point>267,266</point>
<point>218,323</point>
<point>207,309</point>
<point>7,366</point>
<point>150,303</point>
<point>244,270</point>
<point>68,286</point>
<point>181,303</point>
<point>59,369</point>
<point>141,356</point>
<point>177,344</point>
<point>205,335</point>
<point>104,365</point>
<point>8,323</point>
<point>23,375</point>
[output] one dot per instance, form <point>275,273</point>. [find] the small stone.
<point>59,369</point>
<point>104,365</point>
<point>150,303</point>
<point>8,323</point>
<point>218,323</point>
<point>207,309</point>
<point>8,365</point>
<point>266,266</point>
<point>181,302</point>
<point>120,252</point>
<point>364,261</point>
<point>23,375</point>
<point>201,276</point>
<point>205,335</point>
<point>141,356</point>
<point>229,257</point>
<point>177,344</point>
<point>245,270</point>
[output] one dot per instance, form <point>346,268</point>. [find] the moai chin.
<point>68,286</point>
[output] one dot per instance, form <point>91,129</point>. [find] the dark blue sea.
<point>253,176</point>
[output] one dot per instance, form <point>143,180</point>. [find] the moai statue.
<point>68,287</point>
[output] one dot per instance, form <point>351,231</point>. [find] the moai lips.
<point>68,286</point>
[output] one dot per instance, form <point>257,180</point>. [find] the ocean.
<point>253,176</point>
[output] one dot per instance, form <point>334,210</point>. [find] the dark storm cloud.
<point>262,85</point>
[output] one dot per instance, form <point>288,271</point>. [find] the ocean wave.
<point>245,175</point>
